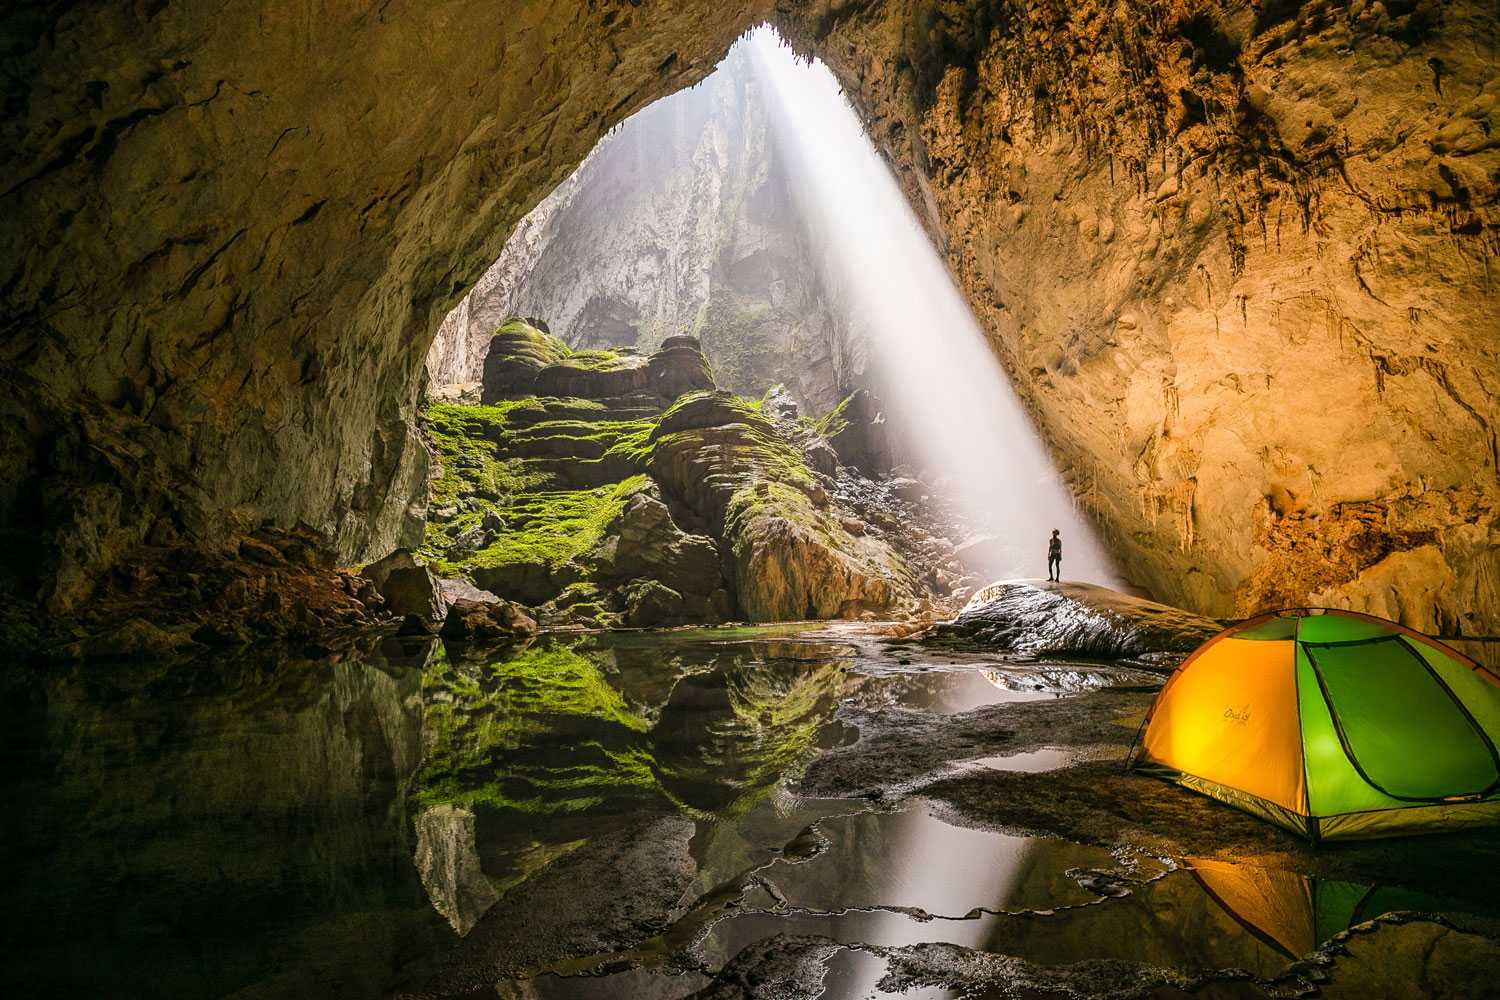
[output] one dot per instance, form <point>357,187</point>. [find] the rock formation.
<point>609,487</point>
<point>1237,259</point>
<point>1073,619</point>
<point>680,221</point>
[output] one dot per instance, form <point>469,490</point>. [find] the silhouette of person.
<point>1054,556</point>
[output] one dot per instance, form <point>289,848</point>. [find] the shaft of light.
<point>938,377</point>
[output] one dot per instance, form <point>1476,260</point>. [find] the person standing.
<point>1054,556</point>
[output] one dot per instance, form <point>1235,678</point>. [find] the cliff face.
<point>681,221</point>
<point>230,233</point>
<point>1236,257</point>
<point>1238,260</point>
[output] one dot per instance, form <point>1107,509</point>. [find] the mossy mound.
<point>518,351</point>
<point>578,503</point>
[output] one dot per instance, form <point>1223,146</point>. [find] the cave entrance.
<point>742,237</point>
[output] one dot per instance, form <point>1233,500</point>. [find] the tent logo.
<point>1240,714</point>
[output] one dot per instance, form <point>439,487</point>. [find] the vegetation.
<point>550,528</point>
<point>834,421</point>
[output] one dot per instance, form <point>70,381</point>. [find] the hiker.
<point>1054,556</point>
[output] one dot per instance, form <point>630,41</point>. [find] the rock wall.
<point>681,221</point>
<point>1238,259</point>
<point>229,233</point>
<point>1236,256</point>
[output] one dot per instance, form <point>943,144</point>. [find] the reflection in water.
<point>893,880</point>
<point>235,826</point>
<point>272,825</point>
<point>531,755</point>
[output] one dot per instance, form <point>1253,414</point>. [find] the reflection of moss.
<point>473,718</point>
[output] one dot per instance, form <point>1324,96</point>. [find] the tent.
<point>1333,725</point>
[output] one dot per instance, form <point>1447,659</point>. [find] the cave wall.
<point>230,232</point>
<point>1237,258</point>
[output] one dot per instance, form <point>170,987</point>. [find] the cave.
<point>446,437</point>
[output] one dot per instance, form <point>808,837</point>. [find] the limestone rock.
<point>649,603</point>
<point>684,219</point>
<point>644,541</point>
<point>1263,380</point>
<point>487,622</point>
<point>448,863</point>
<point>789,560</point>
<point>462,590</point>
<point>380,570</point>
<point>515,356</point>
<point>856,432</point>
<point>414,590</point>
<point>1073,619</point>
<point>1190,234</point>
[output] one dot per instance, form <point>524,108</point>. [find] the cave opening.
<point>750,219</point>
<point>638,632</point>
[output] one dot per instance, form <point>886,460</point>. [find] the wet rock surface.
<point>1073,619</point>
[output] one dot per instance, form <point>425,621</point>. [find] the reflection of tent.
<point>1293,913</point>
<point>1332,724</point>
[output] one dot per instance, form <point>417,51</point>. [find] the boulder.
<point>679,367</point>
<point>414,590</point>
<point>517,353</point>
<point>644,541</point>
<point>648,603</point>
<point>906,488</point>
<point>463,590</point>
<point>469,541</point>
<point>377,571</point>
<point>1073,619</point>
<point>821,457</point>
<point>487,622</point>
<point>531,582</point>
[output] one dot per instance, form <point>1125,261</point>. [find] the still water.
<point>599,815</point>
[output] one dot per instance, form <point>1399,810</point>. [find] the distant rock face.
<point>680,222</point>
<point>1077,619</point>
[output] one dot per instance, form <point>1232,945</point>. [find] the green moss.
<point>551,527</point>
<point>594,360</point>
<point>834,421</point>
<point>735,338</point>
<point>522,342</point>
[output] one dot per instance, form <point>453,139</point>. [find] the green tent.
<point>1333,724</point>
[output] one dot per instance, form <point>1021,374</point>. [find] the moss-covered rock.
<point>518,352</point>
<point>791,557</point>
<point>575,502</point>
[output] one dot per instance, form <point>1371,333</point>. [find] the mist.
<point>941,385</point>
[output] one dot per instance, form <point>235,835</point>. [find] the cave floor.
<point>795,811</point>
